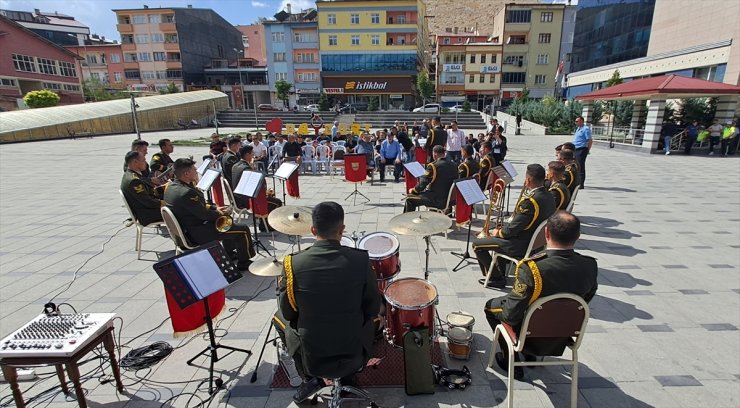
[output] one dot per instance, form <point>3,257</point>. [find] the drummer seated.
<point>327,304</point>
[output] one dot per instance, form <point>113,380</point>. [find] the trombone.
<point>497,204</point>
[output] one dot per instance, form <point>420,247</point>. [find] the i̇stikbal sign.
<point>338,85</point>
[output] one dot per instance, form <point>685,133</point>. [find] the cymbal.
<point>266,267</point>
<point>291,220</point>
<point>420,223</point>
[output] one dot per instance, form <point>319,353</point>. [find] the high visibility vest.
<point>728,132</point>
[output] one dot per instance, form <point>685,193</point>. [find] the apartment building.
<point>292,48</point>
<point>372,49</point>
<point>253,41</point>
<point>100,60</point>
<point>172,45</point>
<point>61,29</point>
<point>29,62</point>
<point>531,36</point>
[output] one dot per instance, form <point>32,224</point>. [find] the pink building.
<point>28,62</point>
<point>103,62</point>
<point>253,37</point>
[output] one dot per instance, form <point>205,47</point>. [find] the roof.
<point>59,115</point>
<point>66,51</point>
<point>671,86</point>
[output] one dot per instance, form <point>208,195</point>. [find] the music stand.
<point>355,171</point>
<point>284,172</point>
<point>511,173</point>
<point>472,194</point>
<point>250,185</point>
<point>192,277</point>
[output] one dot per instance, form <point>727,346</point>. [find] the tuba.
<point>497,202</point>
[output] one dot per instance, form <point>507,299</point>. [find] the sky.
<point>97,14</point>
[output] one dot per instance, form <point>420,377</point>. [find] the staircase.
<point>232,118</point>
<point>467,121</point>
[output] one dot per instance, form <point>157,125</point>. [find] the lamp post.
<point>239,68</point>
<point>87,62</point>
<point>134,105</point>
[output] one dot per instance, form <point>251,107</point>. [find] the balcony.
<point>167,27</point>
<point>131,65</point>
<point>125,28</point>
<point>128,47</point>
<point>172,46</point>
<point>173,64</point>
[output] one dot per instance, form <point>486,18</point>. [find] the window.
<point>331,19</point>
<point>131,74</point>
<point>91,59</point>
<point>401,19</point>
<point>24,63</point>
<point>155,19</point>
<point>115,58</point>
<point>363,61</point>
<point>52,85</point>
<point>472,79</point>
<point>540,79</point>
<point>174,74</point>
<point>543,59</point>
<point>281,76</point>
<point>518,16</point>
<point>47,66</point>
<point>483,58</point>
<point>129,57</point>
<point>303,37</point>
<point>170,38</point>
<point>482,79</point>
<point>7,82</point>
<point>492,79</point>
<point>544,39</point>
<point>307,77</point>
<point>446,41</point>
<point>168,18</point>
<point>127,38</point>
<point>546,17</point>
<point>140,19</point>
<point>278,37</point>
<point>514,60</point>
<point>513,77</point>
<point>67,69</point>
<point>493,59</point>
<point>147,75</point>
<point>332,40</point>
<point>375,18</point>
<point>157,38</point>
<point>117,77</point>
<point>95,75</point>
<point>145,56</point>
<point>160,56</point>
<point>375,40</point>
<point>173,56</point>
<point>161,74</point>
<point>72,88</point>
<point>355,40</point>
<point>354,19</point>
<point>245,41</point>
<point>472,58</point>
<point>517,39</point>
<point>278,57</point>
<point>307,58</point>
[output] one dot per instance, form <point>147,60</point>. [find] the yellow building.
<point>531,36</point>
<point>371,48</point>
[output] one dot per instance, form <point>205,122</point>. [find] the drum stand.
<point>428,240</point>
<point>273,340</point>
<point>256,242</point>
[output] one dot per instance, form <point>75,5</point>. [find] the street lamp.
<point>87,62</point>
<point>135,105</point>
<point>254,93</point>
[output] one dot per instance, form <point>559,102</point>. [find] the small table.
<point>11,364</point>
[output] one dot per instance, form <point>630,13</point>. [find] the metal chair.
<point>536,242</point>
<point>176,233</point>
<point>557,316</point>
<point>139,226</point>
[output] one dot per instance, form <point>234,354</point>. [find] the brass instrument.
<point>225,221</point>
<point>497,204</point>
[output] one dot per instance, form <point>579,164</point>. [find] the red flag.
<point>463,211</point>
<point>410,179</point>
<point>259,202</point>
<point>217,192</point>
<point>192,318</point>
<point>292,185</point>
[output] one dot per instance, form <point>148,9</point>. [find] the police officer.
<point>328,299</point>
<point>468,167</point>
<point>434,186</point>
<point>512,239</point>
<point>555,185</point>
<point>559,269</point>
<point>197,217</point>
<point>138,193</point>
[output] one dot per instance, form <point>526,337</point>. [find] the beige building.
<point>469,72</point>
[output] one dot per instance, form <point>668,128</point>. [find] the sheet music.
<point>249,184</point>
<point>509,168</point>
<point>470,190</point>
<point>204,166</point>
<point>285,170</point>
<point>201,272</point>
<point>207,180</point>
<point>502,174</point>
<point>414,168</point>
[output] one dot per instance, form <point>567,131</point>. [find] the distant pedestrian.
<point>668,130</point>
<point>582,140</point>
<point>692,132</point>
<point>455,141</point>
<point>714,134</point>
<point>735,139</point>
<point>728,133</point>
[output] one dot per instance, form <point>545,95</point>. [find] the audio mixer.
<point>55,335</point>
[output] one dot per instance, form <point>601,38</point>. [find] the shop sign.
<point>452,68</point>
<point>376,85</point>
<point>333,90</point>
<point>486,69</point>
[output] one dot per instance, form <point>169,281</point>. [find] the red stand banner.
<point>260,202</point>
<point>217,192</point>
<point>189,320</point>
<point>410,179</point>
<point>421,156</point>
<point>355,168</point>
<point>463,211</point>
<point>292,185</point>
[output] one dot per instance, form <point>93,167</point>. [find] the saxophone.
<point>497,202</point>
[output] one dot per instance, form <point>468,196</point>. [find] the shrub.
<point>41,99</point>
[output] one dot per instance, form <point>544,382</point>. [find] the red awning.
<point>669,86</point>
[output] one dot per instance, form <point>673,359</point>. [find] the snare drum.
<point>461,319</point>
<point>382,248</point>
<point>411,304</point>
<point>347,241</point>
<point>458,342</point>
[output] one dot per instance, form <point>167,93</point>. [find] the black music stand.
<point>283,173</point>
<point>472,194</point>
<point>250,184</point>
<point>508,174</point>
<point>192,277</point>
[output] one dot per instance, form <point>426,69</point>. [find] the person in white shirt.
<point>260,152</point>
<point>455,140</point>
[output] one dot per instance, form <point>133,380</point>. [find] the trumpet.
<point>497,202</point>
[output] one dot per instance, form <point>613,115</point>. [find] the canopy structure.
<point>665,86</point>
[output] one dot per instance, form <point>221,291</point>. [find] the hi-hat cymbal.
<point>266,267</point>
<point>291,220</point>
<point>420,223</point>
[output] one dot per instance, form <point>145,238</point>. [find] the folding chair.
<point>337,161</point>
<point>323,157</point>
<point>572,201</point>
<point>241,213</point>
<point>536,242</point>
<point>176,233</point>
<point>309,159</point>
<point>562,315</point>
<point>139,226</point>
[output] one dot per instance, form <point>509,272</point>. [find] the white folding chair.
<point>536,242</point>
<point>176,233</point>
<point>139,226</point>
<point>309,158</point>
<point>323,157</point>
<point>337,161</point>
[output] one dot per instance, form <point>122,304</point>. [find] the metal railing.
<point>622,135</point>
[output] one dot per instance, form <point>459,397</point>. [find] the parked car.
<point>266,107</point>
<point>429,108</point>
<point>459,108</point>
<point>354,107</point>
<point>312,108</point>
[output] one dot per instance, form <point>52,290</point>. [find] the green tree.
<point>373,104</point>
<point>466,106</point>
<point>696,109</point>
<point>424,86</point>
<point>96,91</point>
<point>41,99</point>
<point>598,112</point>
<point>623,113</point>
<point>282,88</point>
<point>323,102</point>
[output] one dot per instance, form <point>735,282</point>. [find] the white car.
<point>312,108</point>
<point>459,108</point>
<point>429,108</point>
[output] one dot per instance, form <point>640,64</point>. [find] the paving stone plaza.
<point>664,323</point>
